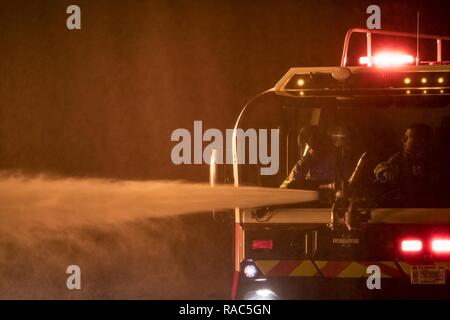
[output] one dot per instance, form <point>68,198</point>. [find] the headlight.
<point>250,271</point>
<point>261,294</point>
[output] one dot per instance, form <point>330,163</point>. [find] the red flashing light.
<point>411,245</point>
<point>262,244</point>
<point>440,245</point>
<point>387,59</point>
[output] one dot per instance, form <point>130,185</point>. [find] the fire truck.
<point>365,237</point>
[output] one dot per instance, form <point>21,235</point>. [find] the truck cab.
<point>366,237</point>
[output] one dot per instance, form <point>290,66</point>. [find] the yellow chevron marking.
<point>406,267</point>
<point>266,265</point>
<point>353,270</point>
<point>390,264</point>
<point>304,269</point>
<point>320,263</point>
<point>358,270</point>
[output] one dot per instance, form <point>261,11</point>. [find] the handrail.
<point>369,34</point>
<point>234,139</point>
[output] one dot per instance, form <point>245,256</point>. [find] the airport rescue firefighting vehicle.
<point>355,241</point>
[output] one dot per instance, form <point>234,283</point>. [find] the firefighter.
<point>413,163</point>
<point>316,165</point>
<point>412,170</point>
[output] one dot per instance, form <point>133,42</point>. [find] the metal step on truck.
<point>372,138</point>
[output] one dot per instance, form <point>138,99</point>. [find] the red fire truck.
<point>366,237</point>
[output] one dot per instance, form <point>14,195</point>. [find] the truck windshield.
<point>406,149</point>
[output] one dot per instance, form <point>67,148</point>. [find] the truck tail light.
<point>262,244</point>
<point>440,245</point>
<point>411,245</point>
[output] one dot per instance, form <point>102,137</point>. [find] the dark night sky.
<point>104,100</point>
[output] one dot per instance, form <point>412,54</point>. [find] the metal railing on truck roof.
<point>369,34</point>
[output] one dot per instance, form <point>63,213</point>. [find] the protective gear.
<point>413,164</point>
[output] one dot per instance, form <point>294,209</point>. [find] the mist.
<point>131,239</point>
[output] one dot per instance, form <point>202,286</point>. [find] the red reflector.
<point>440,245</point>
<point>262,244</point>
<point>411,245</point>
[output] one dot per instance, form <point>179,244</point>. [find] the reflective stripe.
<point>335,269</point>
<point>290,268</point>
<point>353,270</point>
<point>266,265</point>
<point>332,268</point>
<point>326,268</point>
<point>357,269</point>
<point>305,269</point>
<point>406,267</point>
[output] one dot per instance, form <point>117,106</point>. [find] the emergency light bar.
<point>390,73</point>
<point>370,33</point>
<point>386,59</point>
<point>399,80</point>
<point>411,245</point>
<point>440,245</point>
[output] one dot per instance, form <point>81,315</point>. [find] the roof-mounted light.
<point>411,245</point>
<point>386,59</point>
<point>441,245</point>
